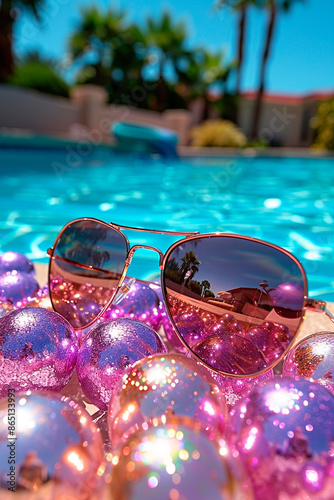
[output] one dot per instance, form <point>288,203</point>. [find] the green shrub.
<point>323,124</point>
<point>257,144</point>
<point>217,133</point>
<point>39,76</point>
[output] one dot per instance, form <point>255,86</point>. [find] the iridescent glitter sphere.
<point>235,389</point>
<point>231,353</point>
<point>140,303</point>
<point>16,287</point>
<point>313,359</point>
<point>56,448</point>
<point>284,433</point>
<point>175,462</point>
<point>288,299</point>
<point>38,350</point>
<point>107,350</point>
<point>191,326</point>
<point>14,261</point>
<point>162,388</point>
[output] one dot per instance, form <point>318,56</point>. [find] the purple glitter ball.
<point>191,327</point>
<point>231,354</point>
<point>38,350</point>
<point>141,303</point>
<point>107,350</point>
<point>14,261</point>
<point>235,389</point>
<point>114,312</point>
<point>266,342</point>
<point>16,287</point>
<point>288,296</point>
<point>283,432</point>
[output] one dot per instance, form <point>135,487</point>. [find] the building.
<point>285,119</point>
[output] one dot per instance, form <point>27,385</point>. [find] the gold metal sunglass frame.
<point>309,303</point>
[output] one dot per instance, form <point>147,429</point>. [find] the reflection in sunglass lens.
<point>237,303</point>
<point>85,269</point>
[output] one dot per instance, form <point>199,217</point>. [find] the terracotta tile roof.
<point>292,99</point>
<point>280,98</point>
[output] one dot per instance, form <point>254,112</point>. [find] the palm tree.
<point>111,53</point>
<point>205,70</point>
<point>241,8</point>
<point>189,263</point>
<point>97,35</point>
<point>7,20</point>
<point>172,264</point>
<point>273,7</point>
<point>129,56</point>
<point>206,285</point>
<point>166,42</point>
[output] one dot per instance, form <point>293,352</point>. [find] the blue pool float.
<point>145,139</point>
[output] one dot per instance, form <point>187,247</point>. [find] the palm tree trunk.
<point>266,52</point>
<point>162,89</point>
<point>206,108</point>
<point>6,54</point>
<point>241,43</point>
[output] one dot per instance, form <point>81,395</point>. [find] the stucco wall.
<point>27,109</point>
<point>41,113</point>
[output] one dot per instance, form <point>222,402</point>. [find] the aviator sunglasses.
<point>235,302</point>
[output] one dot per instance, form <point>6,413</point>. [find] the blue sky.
<point>302,57</point>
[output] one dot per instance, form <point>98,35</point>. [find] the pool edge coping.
<point>28,140</point>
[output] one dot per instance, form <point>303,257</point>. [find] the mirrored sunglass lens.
<point>237,303</point>
<point>85,269</point>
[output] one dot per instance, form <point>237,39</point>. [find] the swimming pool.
<point>287,201</point>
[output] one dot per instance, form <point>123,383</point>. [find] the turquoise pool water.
<point>287,201</point>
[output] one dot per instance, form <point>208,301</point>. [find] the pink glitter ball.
<point>107,350</point>
<point>38,350</point>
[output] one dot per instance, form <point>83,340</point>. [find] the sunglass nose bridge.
<point>146,247</point>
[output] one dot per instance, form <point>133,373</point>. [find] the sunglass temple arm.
<point>318,306</point>
<point>156,231</point>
